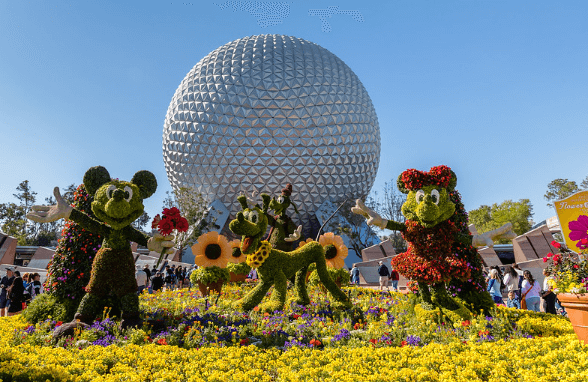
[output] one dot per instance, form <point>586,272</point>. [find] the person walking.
<point>511,280</point>
<point>355,275</point>
<point>16,295</point>
<point>394,277</point>
<point>530,289</point>
<point>384,275</point>
<point>494,286</point>
<point>157,282</point>
<point>547,294</point>
<point>141,278</point>
<point>5,283</point>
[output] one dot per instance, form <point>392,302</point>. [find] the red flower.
<point>58,323</point>
<point>182,224</point>
<point>465,323</point>
<point>162,341</point>
<point>171,212</point>
<point>314,342</point>
<point>403,343</point>
<point>373,341</point>
<point>156,221</point>
<point>556,244</point>
<point>244,341</point>
<point>165,226</point>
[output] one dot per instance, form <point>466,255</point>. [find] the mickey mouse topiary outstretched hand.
<point>116,205</point>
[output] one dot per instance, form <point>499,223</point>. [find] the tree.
<point>487,218</point>
<point>352,225</point>
<point>142,222</point>
<point>194,207</point>
<point>390,208</point>
<point>584,184</point>
<point>562,188</point>
<point>13,219</point>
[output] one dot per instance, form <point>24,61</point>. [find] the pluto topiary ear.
<point>452,182</point>
<point>146,182</point>
<point>401,185</point>
<point>94,178</point>
<point>266,202</point>
<point>243,201</point>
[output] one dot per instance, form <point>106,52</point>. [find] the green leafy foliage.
<point>71,265</point>
<point>239,269</point>
<point>47,306</point>
<point>487,218</point>
<point>207,275</point>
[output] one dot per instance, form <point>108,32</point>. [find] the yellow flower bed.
<point>542,359</point>
<point>553,355</point>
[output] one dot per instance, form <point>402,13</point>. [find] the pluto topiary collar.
<point>255,259</point>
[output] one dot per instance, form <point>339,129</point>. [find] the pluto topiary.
<point>275,267</point>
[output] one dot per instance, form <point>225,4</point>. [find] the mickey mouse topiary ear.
<point>146,182</point>
<point>94,178</point>
<point>401,185</point>
<point>452,182</point>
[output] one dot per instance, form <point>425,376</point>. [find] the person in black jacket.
<point>16,295</point>
<point>384,275</point>
<point>5,283</point>
<point>157,282</point>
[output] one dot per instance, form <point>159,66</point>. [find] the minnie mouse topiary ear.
<point>94,178</point>
<point>401,185</point>
<point>146,182</point>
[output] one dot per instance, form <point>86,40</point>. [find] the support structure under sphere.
<point>263,111</point>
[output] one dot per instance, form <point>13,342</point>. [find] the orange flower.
<point>236,259</point>
<point>212,249</point>
<point>303,243</point>
<point>335,249</point>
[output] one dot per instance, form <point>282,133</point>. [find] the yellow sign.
<point>572,213</point>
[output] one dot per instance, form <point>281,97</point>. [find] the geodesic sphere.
<point>263,111</point>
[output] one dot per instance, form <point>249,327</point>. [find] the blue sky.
<point>497,90</point>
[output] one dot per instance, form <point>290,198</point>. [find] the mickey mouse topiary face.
<point>118,203</point>
<point>428,195</point>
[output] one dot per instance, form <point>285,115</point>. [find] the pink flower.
<point>579,228</point>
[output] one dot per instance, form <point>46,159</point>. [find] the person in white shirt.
<point>511,280</point>
<point>530,292</point>
<point>141,278</point>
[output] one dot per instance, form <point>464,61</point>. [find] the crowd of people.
<point>171,278</point>
<point>17,291</point>
<point>523,291</point>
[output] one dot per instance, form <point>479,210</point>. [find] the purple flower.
<point>579,228</point>
<point>413,340</point>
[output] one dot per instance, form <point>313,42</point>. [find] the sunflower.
<point>303,243</point>
<point>335,250</point>
<point>236,255</point>
<point>212,249</point>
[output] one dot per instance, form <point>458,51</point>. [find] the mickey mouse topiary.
<point>116,205</point>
